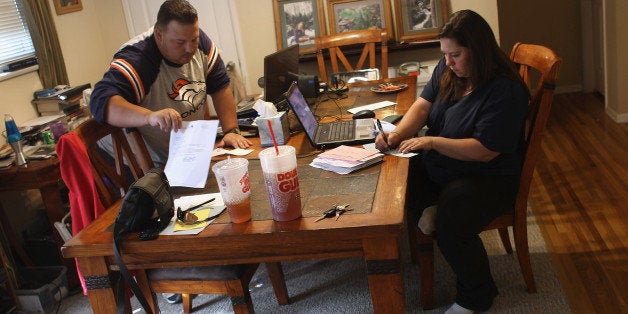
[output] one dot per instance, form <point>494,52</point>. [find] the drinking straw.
<point>272,135</point>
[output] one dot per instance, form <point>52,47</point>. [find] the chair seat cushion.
<point>218,272</point>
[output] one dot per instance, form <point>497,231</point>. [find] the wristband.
<point>234,130</point>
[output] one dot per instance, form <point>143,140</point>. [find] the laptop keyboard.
<point>340,130</point>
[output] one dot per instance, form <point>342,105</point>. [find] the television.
<point>281,68</point>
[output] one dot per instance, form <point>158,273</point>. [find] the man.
<point>162,77</point>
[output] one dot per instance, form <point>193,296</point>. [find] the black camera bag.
<point>147,208</point>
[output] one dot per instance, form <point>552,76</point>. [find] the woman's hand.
<point>381,144</point>
<point>393,141</point>
<point>417,143</point>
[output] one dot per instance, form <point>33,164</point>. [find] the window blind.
<point>15,39</point>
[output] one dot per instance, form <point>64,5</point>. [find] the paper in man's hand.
<point>190,153</point>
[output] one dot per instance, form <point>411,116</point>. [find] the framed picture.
<point>350,15</point>
<point>67,6</point>
<point>420,20</point>
<point>298,22</point>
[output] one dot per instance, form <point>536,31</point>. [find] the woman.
<point>470,159</point>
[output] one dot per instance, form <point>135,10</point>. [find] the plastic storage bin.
<point>54,287</point>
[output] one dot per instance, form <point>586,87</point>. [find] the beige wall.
<point>556,26</point>
<point>616,62</point>
<point>88,40</point>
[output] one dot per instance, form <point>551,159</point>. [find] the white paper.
<point>190,153</point>
<point>265,109</point>
<point>186,202</point>
<point>235,152</point>
<point>345,167</point>
<point>387,126</point>
<point>394,152</point>
<point>373,106</point>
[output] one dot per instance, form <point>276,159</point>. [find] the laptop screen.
<point>302,111</point>
<point>280,69</point>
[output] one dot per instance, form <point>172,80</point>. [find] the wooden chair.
<point>529,58</point>
<point>334,43</point>
<point>112,183</point>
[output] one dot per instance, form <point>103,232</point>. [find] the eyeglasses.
<point>186,217</point>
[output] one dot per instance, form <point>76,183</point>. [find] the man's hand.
<point>235,141</point>
<point>166,119</point>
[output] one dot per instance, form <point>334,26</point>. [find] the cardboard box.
<point>53,286</point>
<point>281,128</point>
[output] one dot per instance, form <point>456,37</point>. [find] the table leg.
<point>99,286</point>
<point>385,274</point>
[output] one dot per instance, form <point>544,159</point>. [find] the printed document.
<point>190,153</point>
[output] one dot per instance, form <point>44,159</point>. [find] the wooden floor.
<point>579,196</point>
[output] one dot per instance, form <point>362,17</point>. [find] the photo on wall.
<point>298,22</point>
<point>420,20</point>
<point>351,15</point>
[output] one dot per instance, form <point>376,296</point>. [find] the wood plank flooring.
<point>579,197</point>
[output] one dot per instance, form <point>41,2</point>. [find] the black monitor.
<point>281,68</point>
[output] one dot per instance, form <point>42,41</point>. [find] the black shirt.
<point>494,114</point>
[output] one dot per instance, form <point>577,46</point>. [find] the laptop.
<point>331,134</point>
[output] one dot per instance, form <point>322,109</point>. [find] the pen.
<point>381,130</point>
<point>201,204</point>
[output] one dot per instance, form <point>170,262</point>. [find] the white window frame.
<point>14,33</point>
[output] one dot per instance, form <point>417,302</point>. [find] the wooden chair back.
<point>539,67</point>
<point>112,182</point>
<point>542,60</point>
<point>336,42</point>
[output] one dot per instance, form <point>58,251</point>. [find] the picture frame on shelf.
<point>67,6</point>
<point>420,20</point>
<point>298,22</point>
<point>349,15</point>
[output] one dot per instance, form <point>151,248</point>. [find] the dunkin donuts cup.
<point>232,176</point>
<point>282,182</point>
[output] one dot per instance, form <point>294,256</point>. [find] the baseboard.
<point>617,117</point>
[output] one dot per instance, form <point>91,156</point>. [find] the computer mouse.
<point>364,114</point>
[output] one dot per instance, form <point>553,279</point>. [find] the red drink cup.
<point>282,182</point>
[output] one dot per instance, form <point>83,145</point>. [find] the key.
<point>341,210</point>
<point>327,214</point>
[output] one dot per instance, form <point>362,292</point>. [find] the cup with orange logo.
<point>232,176</point>
<point>279,167</point>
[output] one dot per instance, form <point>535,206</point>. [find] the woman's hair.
<point>176,10</point>
<point>488,61</point>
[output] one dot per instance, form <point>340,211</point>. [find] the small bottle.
<point>15,139</point>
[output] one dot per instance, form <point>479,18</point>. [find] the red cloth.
<point>76,172</point>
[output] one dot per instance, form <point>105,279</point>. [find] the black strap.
<point>128,279</point>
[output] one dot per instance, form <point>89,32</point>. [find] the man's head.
<point>176,31</point>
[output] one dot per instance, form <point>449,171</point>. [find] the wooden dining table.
<point>372,230</point>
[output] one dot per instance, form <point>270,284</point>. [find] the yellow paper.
<point>201,214</point>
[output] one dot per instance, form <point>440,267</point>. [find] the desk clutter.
<point>61,100</point>
<point>37,137</point>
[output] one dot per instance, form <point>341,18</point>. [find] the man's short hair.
<point>176,10</point>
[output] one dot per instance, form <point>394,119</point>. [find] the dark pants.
<point>466,206</point>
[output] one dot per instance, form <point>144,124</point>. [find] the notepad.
<point>373,106</point>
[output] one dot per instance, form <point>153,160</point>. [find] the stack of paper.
<point>345,159</point>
